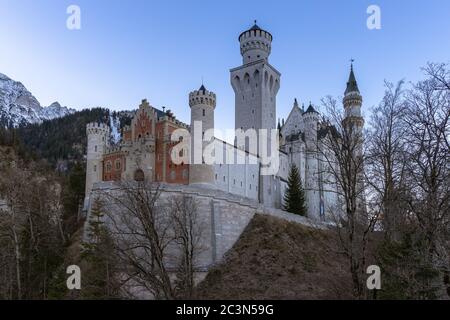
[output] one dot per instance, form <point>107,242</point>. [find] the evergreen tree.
<point>98,260</point>
<point>294,198</point>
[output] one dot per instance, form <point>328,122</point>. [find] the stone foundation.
<point>224,216</point>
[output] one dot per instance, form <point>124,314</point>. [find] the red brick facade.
<point>146,125</point>
<point>113,166</point>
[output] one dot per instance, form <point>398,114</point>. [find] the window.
<point>95,148</point>
<point>223,178</point>
<point>95,168</point>
<point>139,175</point>
<point>250,186</point>
<point>203,112</point>
<point>118,165</point>
<point>234,181</point>
<point>216,176</point>
<point>173,175</point>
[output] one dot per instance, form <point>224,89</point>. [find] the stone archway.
<point>139,175</point>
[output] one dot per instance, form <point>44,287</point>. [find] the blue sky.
<point>160,50</point>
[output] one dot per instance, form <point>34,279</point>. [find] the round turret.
<point>311,120</point>
<point>97,142</point>
<point>97,128</point>
<point>202,97</point>
<point>202,103</point>
<point>255,44</point>
<point>352,101</point>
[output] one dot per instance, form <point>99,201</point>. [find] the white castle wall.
<point>241,176</point>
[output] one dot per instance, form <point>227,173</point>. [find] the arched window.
<point>108,166</point>
<point>139,175</point>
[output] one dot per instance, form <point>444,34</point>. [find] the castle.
<point>146,148</point>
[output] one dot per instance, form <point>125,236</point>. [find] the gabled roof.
<point>294,109</point>
<point>310,109</point>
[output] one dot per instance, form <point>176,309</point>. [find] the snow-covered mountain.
<point>19,107</point>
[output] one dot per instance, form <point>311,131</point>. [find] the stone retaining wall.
<point>224,215</point>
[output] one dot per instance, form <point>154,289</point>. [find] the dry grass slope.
<point>275,259</point>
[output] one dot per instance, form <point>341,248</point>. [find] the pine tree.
<point>294,197</point>
<point>98,259</point>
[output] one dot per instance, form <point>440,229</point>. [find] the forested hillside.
<point>62,141</point>
<point>39,215</point>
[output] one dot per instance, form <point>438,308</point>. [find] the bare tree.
<point>28,232</point>
<point>440,72</point>
<point>386,162</point>
<point>188,232</point>
<point>157,240</point>
<point>410,153</point>
<point>427,121</point>
<point>342,154</point>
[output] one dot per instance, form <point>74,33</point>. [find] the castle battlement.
<point>97,128</point>
<point>255,44</point>
<point>113,149</point>
<point>202,96</point>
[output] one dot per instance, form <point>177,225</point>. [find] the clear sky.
<point>160,50</point>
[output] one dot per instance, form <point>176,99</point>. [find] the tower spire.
<point>352,85</point>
